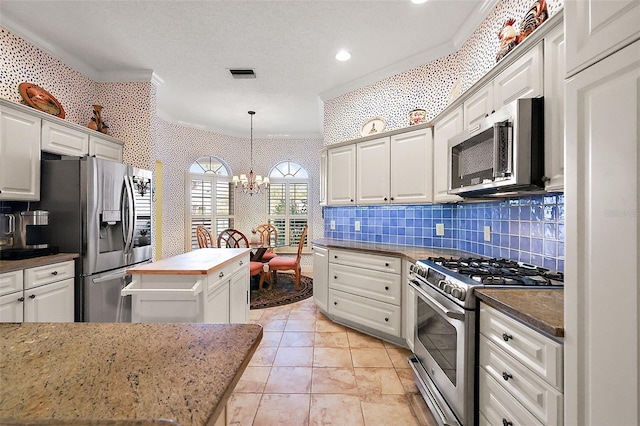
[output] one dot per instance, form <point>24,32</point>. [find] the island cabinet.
<point>520,373</point>
<point>205,285</point>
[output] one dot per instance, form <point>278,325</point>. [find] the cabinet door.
<point>239,296</point>
<point>521,79</point>
<point>11,307</point>
<point>372,171</point>
<point>411,167</point>
<point>103,148</point>
<point>554,71</point>
<point>50,303</point>
<point>369,313</point>
<point>323,178</point>
<point>499,407</point>
<point>19,155</point>
<point>478,106</point>
<point>410,309</point>
<point>602,233</point>
<point>218,303</point>
<point>445,128</point>
<point>63,140</point>
<point>342,176</point>
<point>597,29</point>
<point>321,277</point>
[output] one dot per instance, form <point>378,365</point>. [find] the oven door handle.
<point>451,314</point>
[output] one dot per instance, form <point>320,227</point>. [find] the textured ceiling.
<point>189,46</point>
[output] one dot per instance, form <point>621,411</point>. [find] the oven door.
<point>444,348</point>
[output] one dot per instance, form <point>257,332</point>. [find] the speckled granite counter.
<point>542,309</point>
<point>106,371</point>
<point>16,265</point>
<point>408,252</point>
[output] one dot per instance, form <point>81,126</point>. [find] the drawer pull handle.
<point>386,264</point>
<point>21,299</point>
<point>335,257</point>
<point>506,422</point>
<point>335,303</point>
<point>506,376</point>
<point>54,273</point>
<point>33,296</point>
<point>241,263</point>
<point>386,288</point>
<point>335,277</point>
<point>221,275</point>
<point>386,319</point>
<point>506,337</point>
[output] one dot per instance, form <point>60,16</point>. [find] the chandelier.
<point>252,183</point>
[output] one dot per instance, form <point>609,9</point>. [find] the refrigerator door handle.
<point>130,217</point>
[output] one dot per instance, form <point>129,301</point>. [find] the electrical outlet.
<point>357,225</point>
<point>487,233</point>
<point>440,229</point>
<point>333,224</point>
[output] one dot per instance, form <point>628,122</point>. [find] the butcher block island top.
<point>197,262</point>
<point>85,373</point>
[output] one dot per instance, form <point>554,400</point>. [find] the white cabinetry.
<point>321,277</point>
<point>554,71</point>
<point>63,140</point>
<point>239,296</point>
<point>19,155</point>
<point>411,167</point>
<point>41,294</point>
<point>103,148</point>
<point>445,127</point>
<point>520,372</point>
<point>341,176</point>
<point>410,308</point>
<point>365,292</point>
<point>323,177</point>
<point>373,171</point>
<point>598,28</point>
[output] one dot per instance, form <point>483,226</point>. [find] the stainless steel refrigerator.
<point>102,210</point>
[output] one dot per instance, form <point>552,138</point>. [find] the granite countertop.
<point>197,262</point>
<point>86,373</point>
<point>541,309</point>
<point>16,265</point>
<point>409,252</point>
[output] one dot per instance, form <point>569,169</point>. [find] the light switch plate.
<point>487,233</point>
<point>357,225</point>
<point>440,229</point>
<point>333,224</point>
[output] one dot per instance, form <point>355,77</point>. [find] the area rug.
<point>282,293</point>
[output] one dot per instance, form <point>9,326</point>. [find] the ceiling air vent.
<point>242,73</point>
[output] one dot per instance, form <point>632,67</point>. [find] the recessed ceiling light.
<point>418,1</point>
<point>343,55</point>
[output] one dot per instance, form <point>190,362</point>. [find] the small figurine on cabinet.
<point>96,122</point>
<point>508,39</point>
<point>534,17</point>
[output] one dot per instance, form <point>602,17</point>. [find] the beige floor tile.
<point>387,410</point>
<point>273,325</point>
<point>304,314</point>
<point>334,380</point>
<point>325,325</point>
<point>300,325</point>
<point>297,338</point>
<point>421,411</point>
<point>289,380</point>
<point>294,357</point>
<point>255,314</point>
<point>378,381</point>
<point>361,340</point>
<point>242,408</point>
<point>408,382</point>
<point>370,357</point>
<point>335,410</point>
<point>271,338</point>
<point>283,409</point>
<point>263,357</point>
<point>332,357</point>
<point>399,357</point>
<point>253,380</point>
<point>269,315</point>
<point>331,340</point>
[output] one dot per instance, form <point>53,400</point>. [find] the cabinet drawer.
<point>10,282</point>
<point>41,275</point>
<point>499,407</point>
<point>537,396</point>
<point>63,140</point>
<point>225,272</point>
<point>364,282</point>
<point>540,354</point>
<point>367,312</point>
<point>367,261</point>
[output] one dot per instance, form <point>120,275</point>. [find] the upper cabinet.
<point>597,29</point>
<point>19,155</point>
<point>554,71</point>
<point>411,167</point>
<point>101,147</point>
<point>373,171</point>
<point>323,177</point>
<point>63,140</point>
<point>445,126</point>
<point>341,176</point>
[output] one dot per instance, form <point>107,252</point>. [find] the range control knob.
<point>459,293</point>
<point>442,284</point>
<point>448,287</point>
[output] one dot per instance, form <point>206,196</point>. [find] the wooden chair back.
<point>232,238</point>
<point>204,237</point>
<point>268,234</point>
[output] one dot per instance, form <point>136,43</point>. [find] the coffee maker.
<point>7,229</point>
<point>29,229</point>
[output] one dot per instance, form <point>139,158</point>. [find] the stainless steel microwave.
<point>502,155</point>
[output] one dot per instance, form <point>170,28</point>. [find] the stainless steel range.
<point>444,303</point>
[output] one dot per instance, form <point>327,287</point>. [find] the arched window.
<point>210,197</point>
<point>288,202</point>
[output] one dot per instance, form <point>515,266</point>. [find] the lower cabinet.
<point>520,377</point>
<point>41,294</point>
<point>321,277</point>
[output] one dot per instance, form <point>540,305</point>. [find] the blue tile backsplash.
<point>528,229</point>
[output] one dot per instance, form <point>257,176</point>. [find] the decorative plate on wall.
<point>38,98</point>
<point>373,126</point>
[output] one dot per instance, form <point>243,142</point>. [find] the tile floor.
<point>310,371</point>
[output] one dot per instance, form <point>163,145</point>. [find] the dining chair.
<point>268,238</point>
<point>232,238</point>
<point>204,237</point>
<point>282,263</point>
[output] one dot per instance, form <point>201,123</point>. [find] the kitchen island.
<point>90,372</point>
